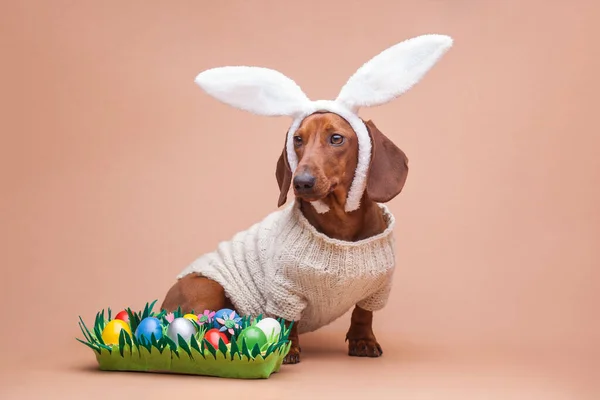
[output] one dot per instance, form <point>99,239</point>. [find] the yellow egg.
<point>112,330</point>
<point>191,317</point>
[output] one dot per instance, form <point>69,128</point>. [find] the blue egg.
<point>147,327</point>
<point>221,314</point>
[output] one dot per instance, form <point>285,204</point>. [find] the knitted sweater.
<point>283,267</point>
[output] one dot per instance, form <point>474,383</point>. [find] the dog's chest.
<point>323,272</point>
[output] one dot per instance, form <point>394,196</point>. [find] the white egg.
<point>182,327</point>
<point>270,327</point>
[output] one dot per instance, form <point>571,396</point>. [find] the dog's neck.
<point>339,224</point>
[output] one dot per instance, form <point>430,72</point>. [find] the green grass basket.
<point>196,356</point>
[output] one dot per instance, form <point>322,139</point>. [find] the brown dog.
<point>327,150</point>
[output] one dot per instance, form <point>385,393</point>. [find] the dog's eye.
<point>297,141</point>
<point>336,139</point>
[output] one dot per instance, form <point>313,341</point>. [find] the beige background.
<point>116,171</point>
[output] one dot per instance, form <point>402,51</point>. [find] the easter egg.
<point>270,327</point>
<point>112,330</point>
<point>123,316</point>
<point>182,327</point>
<point>221,314</point>
<point>147,327</point>
<point>212,336</point>
<point>253,336</point>
<point>191,317</point>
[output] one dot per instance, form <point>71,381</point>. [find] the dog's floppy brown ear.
<point>388,168</point>
<point>283,173</point>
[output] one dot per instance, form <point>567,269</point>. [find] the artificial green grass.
<point>196,356</point>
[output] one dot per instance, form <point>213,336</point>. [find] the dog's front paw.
<point>364,348</point>
<point>293,357</point>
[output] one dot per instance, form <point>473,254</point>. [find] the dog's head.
<point>327,138</point>
<point>326,147</point>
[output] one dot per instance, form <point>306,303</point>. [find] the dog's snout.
<point>304,182</point>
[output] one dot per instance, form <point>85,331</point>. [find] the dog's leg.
<point>360,336</point>
<point>293,357</point>
<point>194,293</point>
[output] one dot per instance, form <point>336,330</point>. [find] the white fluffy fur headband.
<point>386,76</point>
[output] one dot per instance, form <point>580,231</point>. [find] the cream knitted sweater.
<point>283,267</point>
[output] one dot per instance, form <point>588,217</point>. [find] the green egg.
<point>253,336</point>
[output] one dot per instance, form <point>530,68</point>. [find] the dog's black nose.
<point>304,182</point>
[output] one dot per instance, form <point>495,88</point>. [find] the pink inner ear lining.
<point>364,146</point>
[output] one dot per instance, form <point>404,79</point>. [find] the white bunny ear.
<point>393,71</point>
<point>258,90</point>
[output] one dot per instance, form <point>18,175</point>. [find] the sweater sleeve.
<point>379,299</point>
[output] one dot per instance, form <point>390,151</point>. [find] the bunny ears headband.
<point>386,76</point>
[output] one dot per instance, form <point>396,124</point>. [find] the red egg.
<point>123,316</point>
<point>212,336</point>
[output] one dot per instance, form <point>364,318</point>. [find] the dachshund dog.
<point>327,151</point>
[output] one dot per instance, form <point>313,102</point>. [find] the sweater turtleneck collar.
<point>312,231</point>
